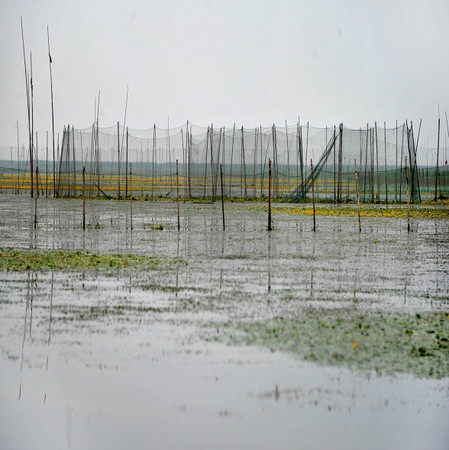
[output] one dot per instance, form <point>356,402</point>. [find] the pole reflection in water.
<point>26,324</point>
<point>49,328</point>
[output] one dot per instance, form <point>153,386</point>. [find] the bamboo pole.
<point>232,157</point>
<point>118,156</point>
<point>340,165</point>
<point>269,195</point>
<point>123,137</point>
<point>288,154</point>
<point>396,171</point>
<point>18,158</point>
<point>97,132</point>
<point>255,162</point>
<point>131,191</point>
<point>46,164</point>
<point>386,172</point>
<point>438,155</point>
<point>357,192</point>
<point>366,161</point>
<point>84,198</point>
<point>52,113</point>
<point>244,163</point>
<point>126,168</point>
<point>32,122</point>
<point>37,188</point>
<point>313,194</point>
<point>177,194</point>
<point>27,89</point>
<point>377,163</point>
<point>408,196</point>
<point>152,166</point>
<point>222,197</point>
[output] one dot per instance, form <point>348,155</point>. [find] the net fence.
<point>201,161</point>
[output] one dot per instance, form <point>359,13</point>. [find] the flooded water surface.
<point>241,338</point>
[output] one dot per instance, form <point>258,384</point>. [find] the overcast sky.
<point>253,62</point>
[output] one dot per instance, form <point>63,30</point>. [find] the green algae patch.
<point>416,344</point>
<point>46,260</point>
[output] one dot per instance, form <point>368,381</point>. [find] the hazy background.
<point>216,61</point>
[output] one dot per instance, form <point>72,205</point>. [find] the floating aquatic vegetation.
<point>398,212</point>
<point>45,260</point>
<point>384,343</point>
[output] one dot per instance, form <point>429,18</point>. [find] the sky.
<point>249,62</point>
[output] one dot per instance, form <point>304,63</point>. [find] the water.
<point>108,360</point>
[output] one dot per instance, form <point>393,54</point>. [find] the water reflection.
<point>49,328</point>
<point>27,323</point>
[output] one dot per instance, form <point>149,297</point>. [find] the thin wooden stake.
<point>222,197</point>
<point>35,197</point>
<point>438,156</point>
<point>84,198</point>
<point>313,194</point>
<point>269,195</point>
<point>408,196</point>
<point>46,165</point>
<point>177,194</point>
<point>386,171</point>
<point>18,158</point>
<point>131,191</point>
<point>357,191</point>
<point>118,157</point>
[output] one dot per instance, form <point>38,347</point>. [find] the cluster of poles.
<point>243,164</point>
<point>236,156</point>
<point>270,188</point>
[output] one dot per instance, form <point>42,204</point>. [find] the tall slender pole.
<point>438,156</point>
<point>269,195</point>
<point>177,194</point>
<point>340,165</point>
<point>357,192</point>
<point>46,164</point>
<point>131,191</point>
<point>396,171</point>
<point>126,168</point>
<point>152,166</point>
<point>27,89</point>
<point>52,113</point>
<point>84,198</point>
<point>37,187</point>
<point>222,196</point>
<point>32,122</point>
<point>386,172</point>
<point>118,157</point>
<point>377,163</point>
<point>408,196</point>
<point>313,194</point>
<point>18,158</point>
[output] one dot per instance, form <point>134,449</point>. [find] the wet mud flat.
<point>243,337</point>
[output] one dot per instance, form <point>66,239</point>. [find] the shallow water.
<point>108,360</point>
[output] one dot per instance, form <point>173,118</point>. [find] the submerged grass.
<point>398,212</point>
<point>45,260</point>
<point>425,210</point>
<point>385,343</point>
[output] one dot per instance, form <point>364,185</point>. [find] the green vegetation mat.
<point>385,343</point>
<point>45,260</point>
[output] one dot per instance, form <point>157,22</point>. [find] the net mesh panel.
<point>243,155</point>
